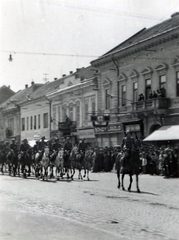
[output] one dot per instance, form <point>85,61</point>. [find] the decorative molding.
<point>107,82</point>
<point>175,62</point>
<point>162,66</point>
<point>147,70</point>
<point>134,74</point>
<point>122,77</point>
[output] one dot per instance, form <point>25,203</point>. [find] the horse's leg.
<point>129,188</point>
<point>118,176</point>
<point>137,183</point>
<point>123,181</point>
<point>88,175</point>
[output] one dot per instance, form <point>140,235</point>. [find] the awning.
<point>165,133</point>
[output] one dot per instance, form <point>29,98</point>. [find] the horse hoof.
<point>138,190</point>
<point>129,189</point>
<point>118,186</point>
<point>123,189</point>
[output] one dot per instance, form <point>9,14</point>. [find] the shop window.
<point>147,88</point>
<point>93,107</point>
<point>23,124</point>
<point>45,120</point>
<point>177,81</point>
<point>59,112</point>
<point>54,117</point>
<point>123,95</point>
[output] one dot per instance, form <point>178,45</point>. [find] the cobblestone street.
<point>93,209</point>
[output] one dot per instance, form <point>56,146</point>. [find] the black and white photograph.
<point>89,120</point>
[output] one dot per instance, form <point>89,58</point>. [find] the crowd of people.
<point>163,160</point>
<point>153,94</point>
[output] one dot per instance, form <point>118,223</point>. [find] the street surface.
<point>96,209</point>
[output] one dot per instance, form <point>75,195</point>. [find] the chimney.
<point>175,14</point>
<point>9,86</point>
<point>78,69</point>
<point>64,75</point>
<point>33,85</point>
<point>55,79</point>
<point>26,86</point>
<point>71,72</point>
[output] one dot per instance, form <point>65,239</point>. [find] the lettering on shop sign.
<point>108,129</point>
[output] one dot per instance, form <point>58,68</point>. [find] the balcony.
<point>67,126</point>
<point>151,104</point>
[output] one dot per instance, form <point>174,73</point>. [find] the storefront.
<point>109,136</point>
<point>88,134</point>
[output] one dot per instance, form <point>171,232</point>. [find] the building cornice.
<point>142,45</point>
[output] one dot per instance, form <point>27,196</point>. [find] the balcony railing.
<point>155,103</point>
<point>67,126</point>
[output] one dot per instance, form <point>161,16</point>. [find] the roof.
<point>147,34</point>
<point>22,95</point>
<point>165,133</point>
<point>5,93</point>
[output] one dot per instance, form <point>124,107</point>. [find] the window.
<point>147,88</point>
<point>177,79</point>
<point>39,121</point>
<point>45,120</point>
<point>123,95</point>
<point>86,111</point>
<point>23,124</point>
<point>64,113</point>
<point>54,117</point>
<point>27,123</point>
<point>31,122</point>
<point>162,81</point>
<point>59,113</point>
<point>107,99</point>
<point>93,106</point>
<point>35,122</point>
<point>78,115</point>
<point>135,91</point>
<point>71,112</point>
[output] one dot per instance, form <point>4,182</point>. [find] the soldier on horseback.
<point>25,156</point>
<point>13,146</point>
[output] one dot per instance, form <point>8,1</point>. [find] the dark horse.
<point>128,163</point>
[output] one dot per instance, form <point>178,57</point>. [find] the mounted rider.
<point>13,146</point>
<point>82,146</point>
<point>25,155</point>
<point>128,142</point>
<point>42,146</point>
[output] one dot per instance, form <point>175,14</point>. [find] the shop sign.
<point>86,133</point>
<point>109,128</point>
<point>133,127</point>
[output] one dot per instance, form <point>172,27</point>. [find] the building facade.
<point>144,63</point>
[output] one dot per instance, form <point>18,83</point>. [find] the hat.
<point>43,137</point>
<point>25,140</point>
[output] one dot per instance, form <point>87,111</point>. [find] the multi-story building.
<point>11,115</point>
<point>76,99</point>
<point>146,62</point>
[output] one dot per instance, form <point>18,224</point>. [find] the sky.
<point>48,38</point>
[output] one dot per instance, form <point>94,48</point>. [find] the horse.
<point>67,162</point>
<point>10,156</point>
<point>45,163</point>
<point>130,162</point>
<point>88,162</point>
<point>2,161</point>
<point>24,160</point>
<point>59,163</point>
<point>73,160</point>
<point>80,162</point>
<point>118,167</point>
<point>36,164</point>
